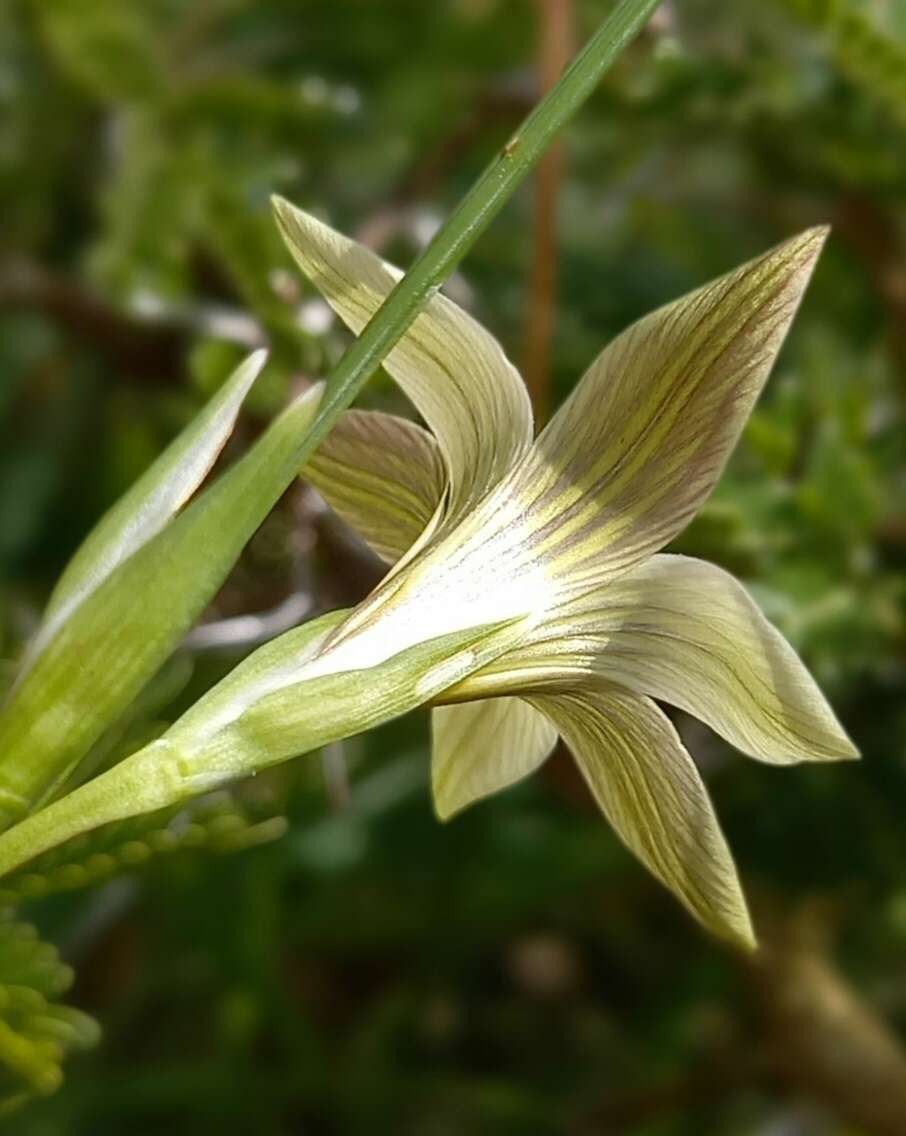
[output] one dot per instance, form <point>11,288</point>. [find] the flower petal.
<point>631,456</point>
<point>383,475</point>
<point>686,632</point>
<point>451,368</point>
<point>652,794</point>
<point>481,747</point>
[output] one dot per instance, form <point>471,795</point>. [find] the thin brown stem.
<point>555,34</point>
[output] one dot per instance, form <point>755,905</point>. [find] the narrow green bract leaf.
<point>383,475</point>
<point>650,791</point>
<point>152,501</point>
<point>118,637</point>
<point>479,748</point>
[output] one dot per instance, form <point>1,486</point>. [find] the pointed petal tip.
<point>744,939</point>
<point>737,929</point>
<point>842,749</point>
<point>447,804</point>
<point>818,233</point>
<point>444,809</point>
<point>848,751</point>
<point>284,213</point>
<point>730,921</point>
<point>805,247</point>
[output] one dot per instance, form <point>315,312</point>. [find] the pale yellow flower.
<point>560,537</point>
<point>527,596</point>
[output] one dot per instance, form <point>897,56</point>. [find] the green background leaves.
<point>512,971</point>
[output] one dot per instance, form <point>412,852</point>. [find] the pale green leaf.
<point>451,368</point>
<point>632,455</point>
<point>650,791</point>
<point>119,636</point>
<point>152,501</point>
<point>383,475</point>
<point>479,748</point>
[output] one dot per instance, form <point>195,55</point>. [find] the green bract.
<point>135,587</point>
<point>527,597</point>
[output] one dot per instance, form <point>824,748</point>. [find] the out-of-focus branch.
<point>502,104</point>
<point>242,632</point>
<point>497,109</point>
<point>875,237</point>
<point>148,344</point>
<point>811,1035</point>
<point>145,349</point>
<point>822,1038</point>
<point>555,32</point>
<point>706,1085</point>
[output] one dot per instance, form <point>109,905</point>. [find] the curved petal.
<point>383,475</point>
<point>451,368</point>
<point>479,748</point>
<point>631,456</point>
<point>650,791</point>
<point>686,632</point>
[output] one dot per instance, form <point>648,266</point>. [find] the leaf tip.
<point>256,361</point>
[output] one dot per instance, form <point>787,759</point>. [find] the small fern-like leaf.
<point>215,824</point>
<point>37,1033</point>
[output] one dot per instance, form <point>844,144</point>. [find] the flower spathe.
<point>527,597</point>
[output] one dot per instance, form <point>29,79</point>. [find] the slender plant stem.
<point>475,212</point>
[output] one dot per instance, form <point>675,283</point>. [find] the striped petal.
<point>383,475</point>
<point>686,632</point>
<point>652,794</point>
<point>479,748</point>
<point>453,370</point>
<point>639,445</point>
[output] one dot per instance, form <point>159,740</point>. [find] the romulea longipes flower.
<point>527,596</point>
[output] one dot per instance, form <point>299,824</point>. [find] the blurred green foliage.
<point>515,971</point>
